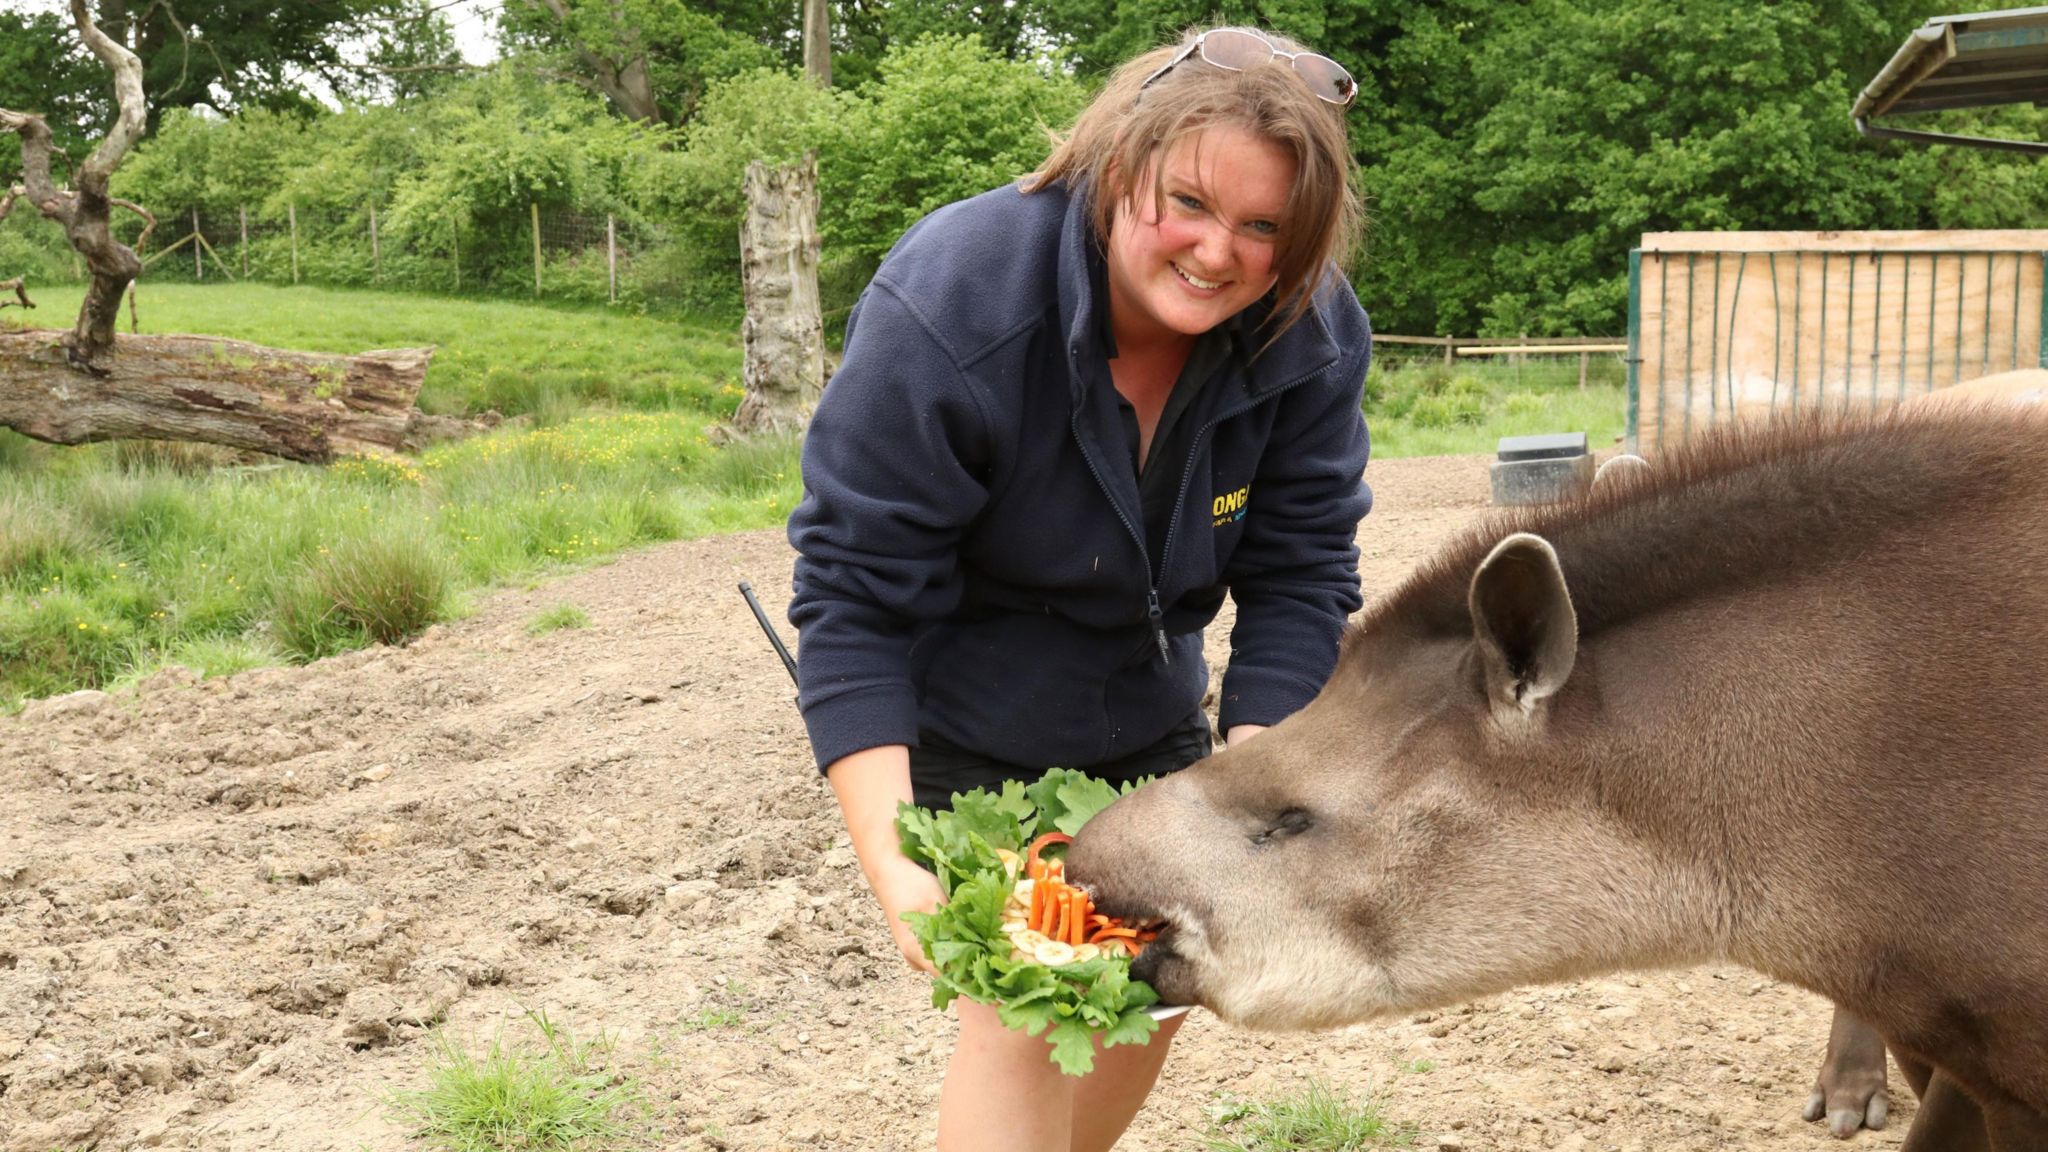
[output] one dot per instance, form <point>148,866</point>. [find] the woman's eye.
<point>1262,228</point>
<point>1188,202</point>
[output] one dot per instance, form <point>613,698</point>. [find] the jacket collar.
<point>1083,302</point>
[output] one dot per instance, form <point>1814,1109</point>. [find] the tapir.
<point>1775,701</point>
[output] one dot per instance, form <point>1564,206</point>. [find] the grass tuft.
<point>521,1098</point>
<point>390,585</point>
<point>1314,1119</point>
<point>557,618</point>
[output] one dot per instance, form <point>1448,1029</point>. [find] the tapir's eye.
<point>1289,822</point>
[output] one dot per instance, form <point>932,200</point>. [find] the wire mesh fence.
<point>1545,363</point>
<point>547,251</point>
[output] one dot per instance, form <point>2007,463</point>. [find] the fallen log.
<point>304,406</point>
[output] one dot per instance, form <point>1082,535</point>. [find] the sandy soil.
<point>233,912</point>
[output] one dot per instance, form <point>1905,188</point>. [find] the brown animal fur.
<point>1789,716</point>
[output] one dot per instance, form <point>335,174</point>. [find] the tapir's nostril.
<point>1291,822</point>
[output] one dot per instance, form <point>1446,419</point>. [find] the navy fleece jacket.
<point>972,556</point>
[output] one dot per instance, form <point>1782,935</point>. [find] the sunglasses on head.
<point>1234,50</point>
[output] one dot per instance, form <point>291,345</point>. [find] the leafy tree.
<point>650,59</point>
<point>46,70</point>
<point>415,56</point>
<point>233,54</point>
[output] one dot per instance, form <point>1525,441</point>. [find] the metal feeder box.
<point>1539,469</point>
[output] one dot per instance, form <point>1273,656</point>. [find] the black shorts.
<point>939,767</point>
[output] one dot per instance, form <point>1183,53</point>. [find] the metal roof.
<point>1977,60</point>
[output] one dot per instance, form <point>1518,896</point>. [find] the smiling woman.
<point>1073,415</point>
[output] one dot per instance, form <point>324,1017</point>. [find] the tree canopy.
<point>1510,155</point>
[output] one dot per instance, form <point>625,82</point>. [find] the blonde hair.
<point>1129,128</point>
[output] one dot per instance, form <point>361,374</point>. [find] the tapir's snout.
<point>1134,859</point>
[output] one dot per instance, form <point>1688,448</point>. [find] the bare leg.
<point>1003,1093</point>
<point>1850,1091</point>
<point>1108,1099</point>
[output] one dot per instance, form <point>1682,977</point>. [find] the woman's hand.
<point>902,886</point>
<point>870,784</point>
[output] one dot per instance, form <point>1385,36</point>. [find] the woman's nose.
<point>1216,247</point>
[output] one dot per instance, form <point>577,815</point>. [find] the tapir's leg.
<point>1917,1074</point>
<point>2014,1127</point>
<point>1850,1091</point>
<point>1949,1121</point>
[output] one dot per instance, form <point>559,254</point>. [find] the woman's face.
<point>1209,254</point>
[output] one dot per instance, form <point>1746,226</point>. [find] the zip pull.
<point>1158,619</point>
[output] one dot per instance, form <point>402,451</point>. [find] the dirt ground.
<point>233,912</point>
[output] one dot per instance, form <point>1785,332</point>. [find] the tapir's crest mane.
<point>1744,505</point>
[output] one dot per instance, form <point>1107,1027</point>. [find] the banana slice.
<point>1052,953</point>
<point>1011,860</point>
<point>1021,892</point>
<point>1012,927</point>
<point>1029,940</point>
<point>1086,952</point>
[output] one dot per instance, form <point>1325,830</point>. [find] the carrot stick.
<point>1076,917</point>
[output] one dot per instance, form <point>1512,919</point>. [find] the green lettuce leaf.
<point>1071,1005</point>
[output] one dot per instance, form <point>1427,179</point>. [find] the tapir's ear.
<point>1522,621</point>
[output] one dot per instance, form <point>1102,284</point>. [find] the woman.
<point>1071,416</point>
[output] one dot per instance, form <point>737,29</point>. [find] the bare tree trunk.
<point>83,211</point>
<point>304,406</point>
<point>818,42</point>
<point>76,387</point>
<point>784,330</point>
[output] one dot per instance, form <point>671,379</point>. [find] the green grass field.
<point>118,559</point>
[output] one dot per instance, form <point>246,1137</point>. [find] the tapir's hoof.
<point>1846,1120</point>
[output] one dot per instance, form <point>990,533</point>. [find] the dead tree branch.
<point>304,406</point>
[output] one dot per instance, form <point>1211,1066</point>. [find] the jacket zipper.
<point>1154,614</point>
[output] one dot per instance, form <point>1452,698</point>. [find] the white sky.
<point>471,20</point>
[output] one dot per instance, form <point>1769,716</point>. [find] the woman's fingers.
<point>905,887</point>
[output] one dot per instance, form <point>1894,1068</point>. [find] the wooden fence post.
<point>1450,351</point>
<point>245,241</point>
<point>611,255</point>
<point>376,258</point>
<point>198,257</point>
<point>291,213</point>
<point>535,205</point>
<point>1583,357</point>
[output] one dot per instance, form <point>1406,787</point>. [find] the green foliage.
<point>45,69</point>
<point>947,119</point>
<point>770,115</point>
<point>1075,1005</point>
<point>175,554</point>
<point>1506,203</point>
<point>556,619</point>
<point>553,1096</point>
<point>390,585</point>
<point>680,48</point>
<point>1316,1118</point>
<point>1425,409</point>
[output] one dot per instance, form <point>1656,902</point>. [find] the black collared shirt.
<point>1159,474</point>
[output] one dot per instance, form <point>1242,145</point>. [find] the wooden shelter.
<point>1731,325</point>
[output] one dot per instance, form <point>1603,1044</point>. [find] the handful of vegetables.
<point>1013,933</point>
